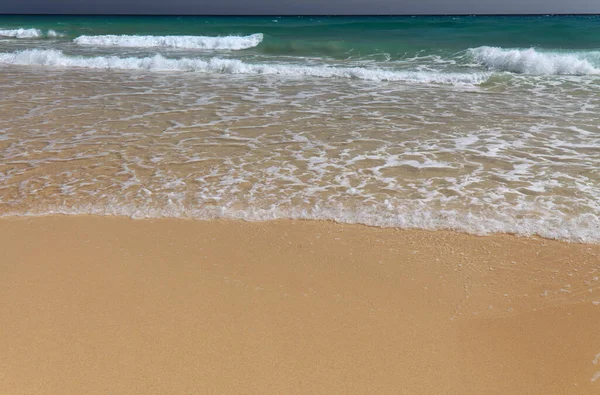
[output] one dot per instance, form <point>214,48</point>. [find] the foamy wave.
<point>55,58</point>
<point>184,42</point>
<point>21,33</point>
<point>53,33</point>
<point>582,229</point>
<point>531,61</point>
<point>29,33</point>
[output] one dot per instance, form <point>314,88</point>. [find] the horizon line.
<point>300,15</point>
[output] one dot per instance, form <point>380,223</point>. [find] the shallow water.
<point>486,140</point>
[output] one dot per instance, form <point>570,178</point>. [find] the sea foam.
<point>532,61</point>
<point>56,58</point>
<point>21,33</point>
<point>54,33</point>
<point>183,42</point>
<point>29,33</point>
<point>581,229</point>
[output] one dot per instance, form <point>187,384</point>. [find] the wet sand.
<point>112,305</point>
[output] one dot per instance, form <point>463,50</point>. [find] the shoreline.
<point>104,304</point>
<point>585,240</point>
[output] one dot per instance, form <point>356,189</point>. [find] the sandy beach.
<point>299,204</point>
<point>113,305</point>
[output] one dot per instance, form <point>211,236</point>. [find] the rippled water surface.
<point>488,139</point>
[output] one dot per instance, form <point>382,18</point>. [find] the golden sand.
<point>93,305</point>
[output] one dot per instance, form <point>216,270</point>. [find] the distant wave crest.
<point>28,33</point>
<point>21,33</point>
<point>184,42</point>
<point>535,62</point>
<point>57,58</point>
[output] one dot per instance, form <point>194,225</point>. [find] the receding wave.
<point>532,61</point>
<point>28,33</point>
<point>183,42</point>
<point>55,58</point>
<point>584,228</point>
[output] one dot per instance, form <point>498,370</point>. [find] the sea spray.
<point>532,61</point>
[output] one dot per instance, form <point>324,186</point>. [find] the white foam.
<point>583,229</point>
<point>29,33</point>
<point>389,155</point>
<point>532,61</point>
<point>54,33</point>
<point>184,42</point>
<point>21,33</point>
<point>57,58</point>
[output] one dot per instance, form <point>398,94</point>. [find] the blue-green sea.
<point>536,45</point>
<point>477,123</point>
<point>342,37</point>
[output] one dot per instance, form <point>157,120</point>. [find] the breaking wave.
<point>27,33</point>
<point>532,61</point>
<point>55,58</point>
<point>184,42</point>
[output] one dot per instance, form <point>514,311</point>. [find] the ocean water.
<point>478,124</point>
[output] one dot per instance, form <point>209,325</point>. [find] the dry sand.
<point>116,306</point>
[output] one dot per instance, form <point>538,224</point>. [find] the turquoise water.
<point>344,37</point>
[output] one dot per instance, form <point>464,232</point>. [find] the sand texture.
<point>101,305</point>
